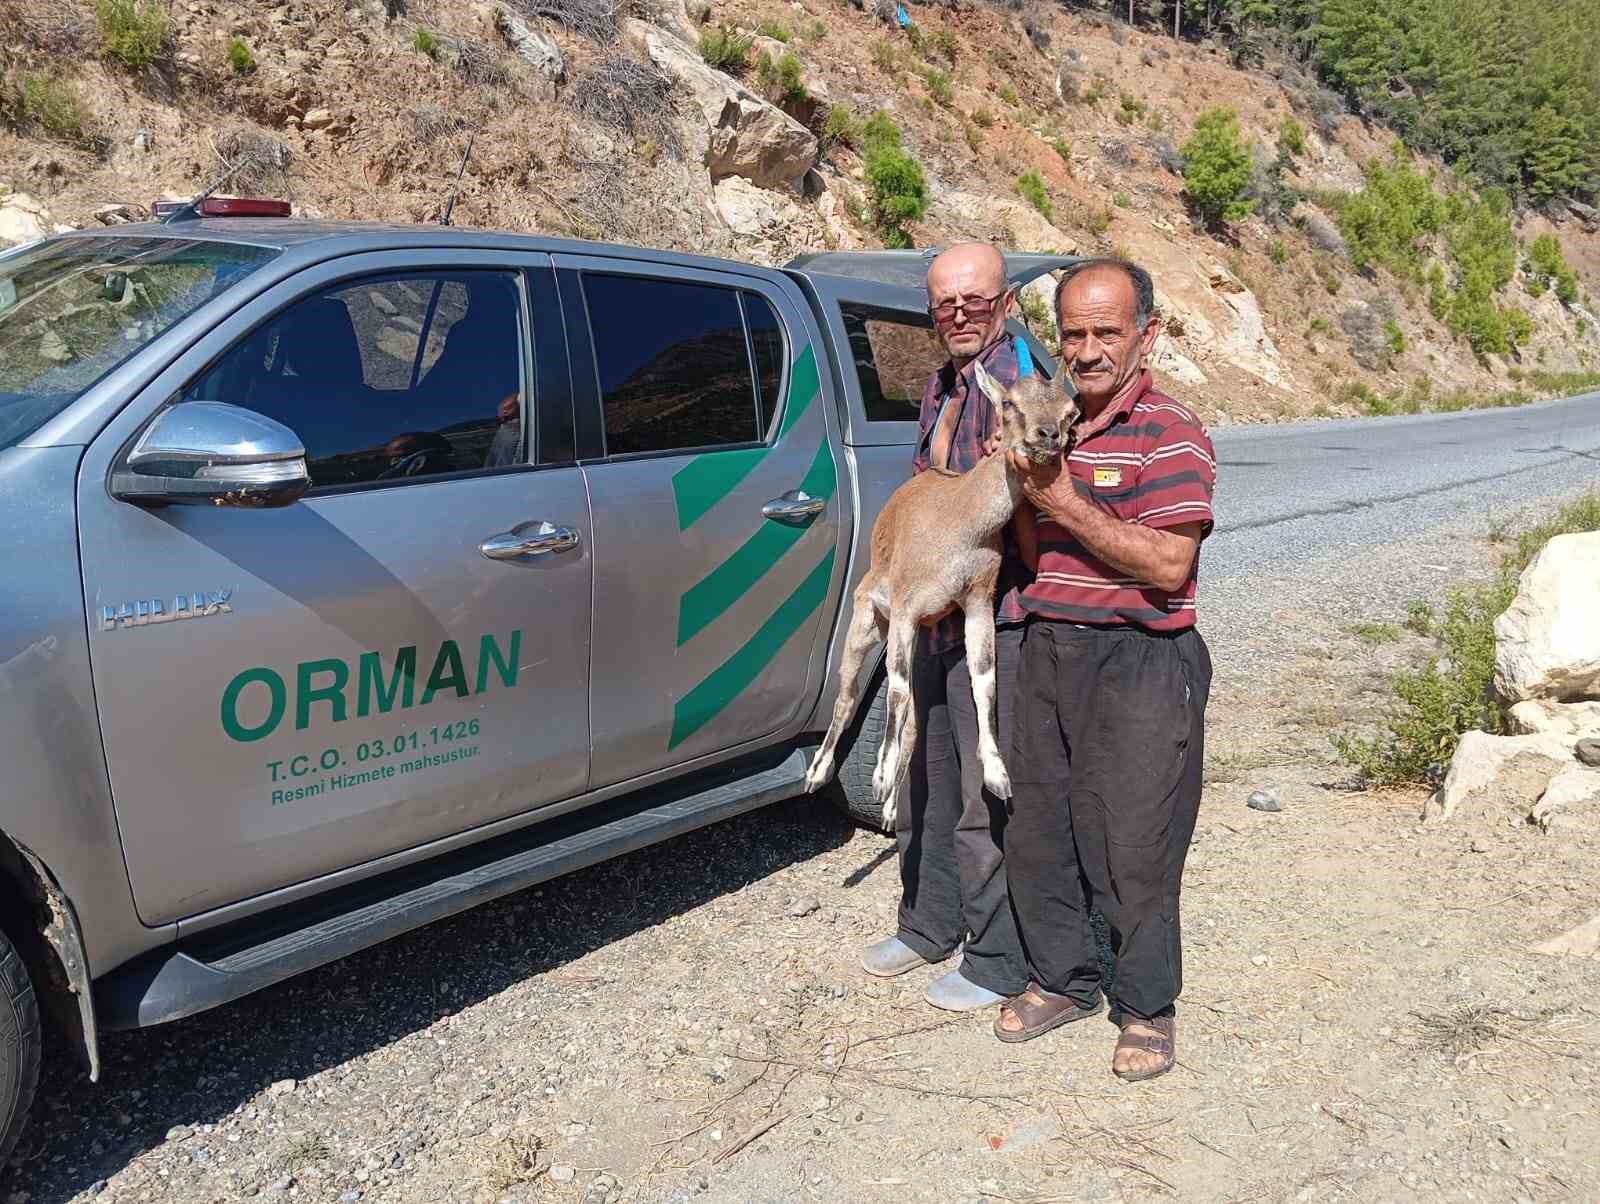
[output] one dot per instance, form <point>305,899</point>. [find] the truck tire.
<point>20,1046</point>
<point>858,757</point>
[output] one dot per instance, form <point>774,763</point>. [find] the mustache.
<point>1092,366</point>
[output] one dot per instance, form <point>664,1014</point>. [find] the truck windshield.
<point>72,309</point>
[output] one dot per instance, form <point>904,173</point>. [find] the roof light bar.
<point>225,206</point>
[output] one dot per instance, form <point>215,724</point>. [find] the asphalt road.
<point>1321,524</point>
<point>1293,494</point>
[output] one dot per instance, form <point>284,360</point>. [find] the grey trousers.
<point>951,831</point>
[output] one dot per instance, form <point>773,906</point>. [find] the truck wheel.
<point>20,1046</point>
<point>858,757</point>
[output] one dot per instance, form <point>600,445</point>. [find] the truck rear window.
<point>72,309</point>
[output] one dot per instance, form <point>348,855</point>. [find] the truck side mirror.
<point>213,454</point>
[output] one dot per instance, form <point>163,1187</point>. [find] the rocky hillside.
<point>1041,126</point>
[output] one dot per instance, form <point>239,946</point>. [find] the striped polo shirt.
<point>1149,461</point>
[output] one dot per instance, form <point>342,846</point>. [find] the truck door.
<point>716,503</point>
<point>289,692</point>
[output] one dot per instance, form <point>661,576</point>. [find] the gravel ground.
<point>1363,1017</point>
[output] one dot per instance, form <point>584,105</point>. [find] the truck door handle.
<point>794,507</point>
<point>529,539</point>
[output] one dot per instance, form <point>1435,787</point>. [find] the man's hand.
<point>1047,486</point>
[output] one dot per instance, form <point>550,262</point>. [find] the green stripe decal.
<point>730,580</point>
<point>729,679</point>
<point>706,480</point>
<point>802,388</point>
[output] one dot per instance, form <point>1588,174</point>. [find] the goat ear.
<point>990,386</point>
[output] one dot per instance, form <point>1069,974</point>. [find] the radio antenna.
<point>450,205</point>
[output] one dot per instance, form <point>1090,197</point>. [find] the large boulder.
<point>22,219</point>
<point>999,219</point>
<point>1547,643</point>
<point>1573,791</point>
<point>733,130</point>
<point>1499,771</point>
<point>1561,718</point>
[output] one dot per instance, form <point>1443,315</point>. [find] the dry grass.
<point>252,160</point>
<point>625,97</point>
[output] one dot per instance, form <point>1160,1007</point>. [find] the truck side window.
<point>766,344</point>
<point>392,378</point>
<point>673,362</point>
<point>895,352</point>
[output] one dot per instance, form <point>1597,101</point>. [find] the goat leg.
<point>980,640</point>
<point>866,628</point>
<point>894,758</point>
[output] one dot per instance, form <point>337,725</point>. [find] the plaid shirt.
<point>976,424</point>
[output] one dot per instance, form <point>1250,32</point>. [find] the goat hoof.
<point>818,774</point>
<point>890,810</point>
<point>997,781</point>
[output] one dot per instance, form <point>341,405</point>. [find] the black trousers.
<point>1108,741</point>
<point>951,831</point>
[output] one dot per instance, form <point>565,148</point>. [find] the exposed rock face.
<point>1512,770</point>
<point>532,46</point>
<point>734,131</point>
<point>1247,344</point>
<point>1003,220</point>
<point>1547,643</point>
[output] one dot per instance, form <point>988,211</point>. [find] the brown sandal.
<point>1163,1044</point>
<point>1040,1011</point>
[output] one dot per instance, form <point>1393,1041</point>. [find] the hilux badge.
<point>154,610</point>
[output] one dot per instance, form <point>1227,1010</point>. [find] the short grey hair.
<point>1144,288</point>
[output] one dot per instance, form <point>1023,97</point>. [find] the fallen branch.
<point>764,1127</point>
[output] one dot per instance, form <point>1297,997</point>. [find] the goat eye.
<point>1007,404</point>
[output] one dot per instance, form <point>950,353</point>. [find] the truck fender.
<point>60,931</point>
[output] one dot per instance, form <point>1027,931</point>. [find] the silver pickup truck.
<point>361,574</point>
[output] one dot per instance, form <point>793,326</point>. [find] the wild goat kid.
<point>937,545</point>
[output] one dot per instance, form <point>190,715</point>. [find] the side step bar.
<point>169,984</point>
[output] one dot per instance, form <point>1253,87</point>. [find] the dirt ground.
<point>1363,1018</point>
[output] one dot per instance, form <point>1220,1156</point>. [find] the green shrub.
<point>1547,266</point>
<point>1129,108</point>
<point>1420,617</point>
<point>939,87</point>
<point>944,42</point>
<point>1278,251</point>
<point>726,49</point>
<point>1121,200</point>
<point>1292,135</point>
<point>782,78</point>
<point>1375,633</point>
<point>886,56</point>
<point>239,57</point>
<point>51,105</point>
<point>1031,186</point>
<point>132,32</point>
<point>1396,207</point>
<point>1436,704</point>
<point>1394,336</point>
<point>775,31</point>
<point>841,127</point>
<point>983,118</point>
<point>1096,91</point>
<point>1009,94</point>
<point>897,189</point>
<point>1036,315</point>
<point>425,43</point>
<point>1216,167</point>
<point>1063,148</point>
<point>1519,326</point>
<point>1099,221</point>
<point>880,130</point>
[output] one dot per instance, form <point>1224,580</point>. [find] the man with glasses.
<point>949,830</point>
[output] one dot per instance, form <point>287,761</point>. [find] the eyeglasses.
<point>976,309</point>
